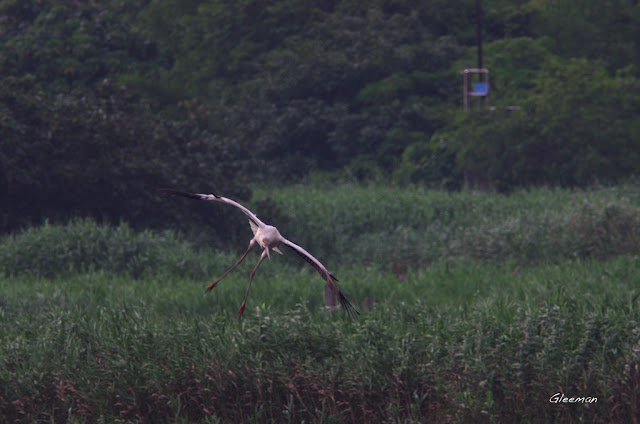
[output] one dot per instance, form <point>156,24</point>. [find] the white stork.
<point>268,238</point>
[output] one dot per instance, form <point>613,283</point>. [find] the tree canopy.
<point>102,102</point>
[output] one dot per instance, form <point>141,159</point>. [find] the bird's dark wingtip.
<point>174,192</point>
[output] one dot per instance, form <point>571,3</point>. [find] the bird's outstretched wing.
<point>214,197</point>
<point>326,275</point>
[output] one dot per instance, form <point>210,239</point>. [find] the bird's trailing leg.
<point>244,302</point>
<point>251,244</point>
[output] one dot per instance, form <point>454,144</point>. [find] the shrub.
<point>82,246</point>
<point>430,164</point>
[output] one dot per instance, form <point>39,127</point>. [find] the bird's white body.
<point>268,238</point>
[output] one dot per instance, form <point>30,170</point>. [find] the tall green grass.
<point>474,343</point>
<point>83,246</point>
<point>411,227</point>
<point>398,229</point>
<point>468,318</point>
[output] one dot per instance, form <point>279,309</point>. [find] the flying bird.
<point>268,238</point>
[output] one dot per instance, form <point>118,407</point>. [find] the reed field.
<point>474,307</point>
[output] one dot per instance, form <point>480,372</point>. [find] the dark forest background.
<point>101,102</point>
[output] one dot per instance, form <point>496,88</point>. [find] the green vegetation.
<point>409,227</point>
<point>572,112</point>
<point>339,121</point>
<point>107,101</point>
<point>82,246</point>
<point>104,324</point>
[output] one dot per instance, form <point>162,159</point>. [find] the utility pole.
<point>478,89</point>
<point>479,41</point>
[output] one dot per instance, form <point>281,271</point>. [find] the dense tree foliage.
<point>100,153</point>
<point>77,142</point>
<point>116,98</point>
<point>577,125</point>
